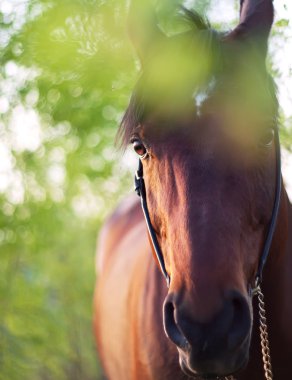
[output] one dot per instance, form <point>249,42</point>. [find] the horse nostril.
<point>170,327</point>
<point>241,321</point>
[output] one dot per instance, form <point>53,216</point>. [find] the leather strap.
<point>141,191</point>
<point>275,213</point>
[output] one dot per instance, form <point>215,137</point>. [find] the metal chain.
<point>264,335</point>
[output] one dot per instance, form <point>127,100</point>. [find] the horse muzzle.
<point>218,347</point>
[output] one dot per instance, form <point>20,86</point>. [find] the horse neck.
<point>277,284</point>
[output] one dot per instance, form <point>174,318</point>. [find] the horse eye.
<point>139,148</point>
<point>267,138</point>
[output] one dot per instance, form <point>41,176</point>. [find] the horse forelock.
<point>138,107</point>
<point>213,45</point>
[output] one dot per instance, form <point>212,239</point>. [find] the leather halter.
<point>141,191</point>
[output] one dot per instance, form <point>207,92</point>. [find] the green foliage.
<point>68,65</point>
<point>282,23</point>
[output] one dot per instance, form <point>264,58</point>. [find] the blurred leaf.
<point>282,23</point>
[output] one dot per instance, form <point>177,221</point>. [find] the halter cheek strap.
<point>275,213</point>
<point>141,191</point>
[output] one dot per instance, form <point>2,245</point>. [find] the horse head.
<point>202,119</point>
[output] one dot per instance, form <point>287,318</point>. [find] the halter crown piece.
<point>256,289</point>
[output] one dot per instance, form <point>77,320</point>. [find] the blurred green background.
<point>66,73</point>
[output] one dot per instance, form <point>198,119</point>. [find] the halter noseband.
<point>141,191</point>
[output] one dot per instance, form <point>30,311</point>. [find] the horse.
<point>215,221</point>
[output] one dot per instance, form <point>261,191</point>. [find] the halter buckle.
<point>254,290</point>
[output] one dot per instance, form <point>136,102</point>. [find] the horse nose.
<point>171,327</point>
<point>238,311</point>
<point>227,330</point>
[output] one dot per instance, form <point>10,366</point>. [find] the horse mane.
<point>136,110</point>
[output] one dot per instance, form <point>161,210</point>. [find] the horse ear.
<point>143,27</point>
<point>256,19</point>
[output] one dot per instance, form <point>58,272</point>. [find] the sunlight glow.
<point>25,129</point>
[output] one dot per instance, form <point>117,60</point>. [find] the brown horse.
<point>202,121</point>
